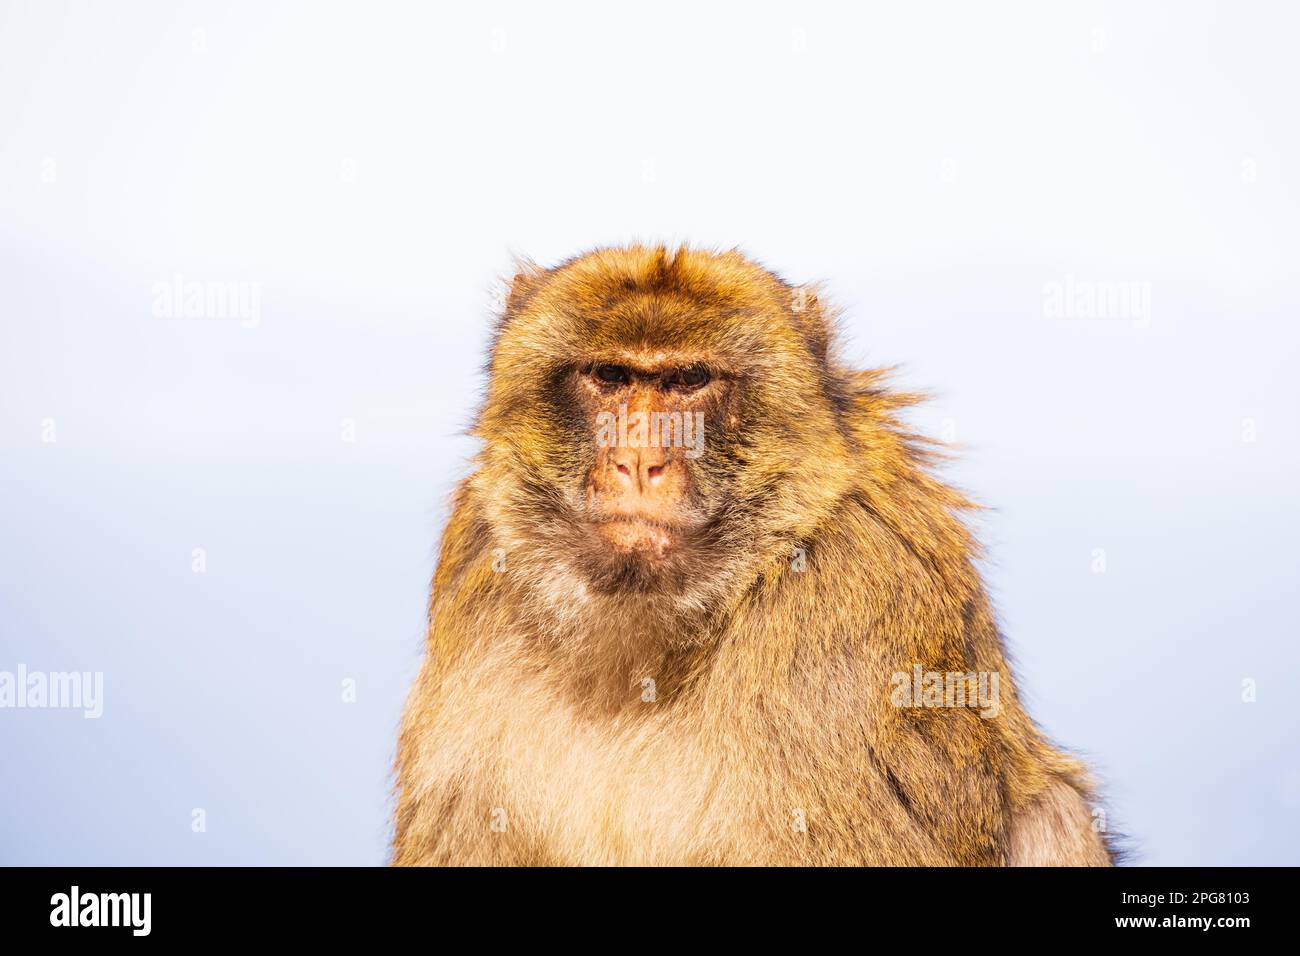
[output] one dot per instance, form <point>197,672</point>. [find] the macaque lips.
<point>636,535</point>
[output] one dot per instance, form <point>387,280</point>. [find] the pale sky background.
<point>369,169</point>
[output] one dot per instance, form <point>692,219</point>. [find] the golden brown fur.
<point>530,736</point>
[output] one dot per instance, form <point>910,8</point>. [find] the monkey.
<point>756,647</point>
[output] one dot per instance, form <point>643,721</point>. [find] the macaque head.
<point>658,421</point>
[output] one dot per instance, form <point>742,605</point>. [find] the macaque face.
<point>649,415</point>
<point>650,421</point>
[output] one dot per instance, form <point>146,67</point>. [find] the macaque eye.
<point>687,378</point>
<point>611,374</point>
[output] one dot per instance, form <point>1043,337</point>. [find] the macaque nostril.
<point>623,470</point>
<point>654,471</point>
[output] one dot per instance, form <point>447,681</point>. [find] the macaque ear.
<point>811,320</point>
<point>528,275</point>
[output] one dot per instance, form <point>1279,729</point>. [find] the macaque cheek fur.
<point>702,601</point>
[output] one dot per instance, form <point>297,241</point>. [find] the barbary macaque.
<point>702,602</point>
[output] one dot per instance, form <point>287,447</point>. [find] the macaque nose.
<point>640,469</point>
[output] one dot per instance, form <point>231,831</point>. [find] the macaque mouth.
<point>635,526</point>
<point>637,536</point>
